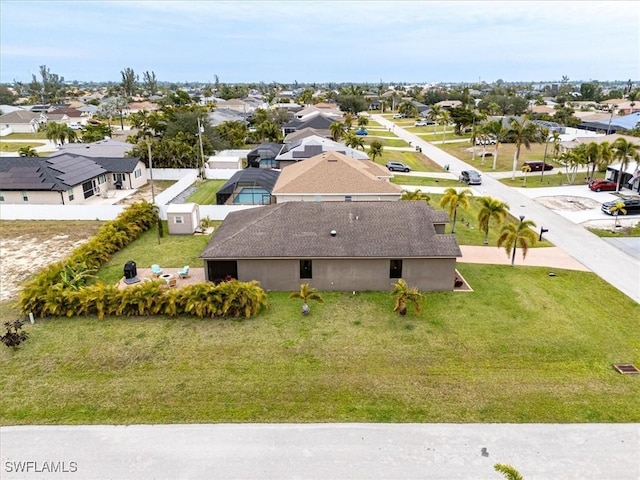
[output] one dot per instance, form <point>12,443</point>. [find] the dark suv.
<point>537,166</point>
<point>631,205</point>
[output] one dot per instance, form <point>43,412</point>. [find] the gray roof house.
<point>310,147</point>
<point>65,179</point>
<point>108,148</point>
<point>342,246</point>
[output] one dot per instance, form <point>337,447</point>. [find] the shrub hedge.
<point>47,294</point>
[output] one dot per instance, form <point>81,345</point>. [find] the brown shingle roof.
<point>403,229</point>
<point>333,172</point>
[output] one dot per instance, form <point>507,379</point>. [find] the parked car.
<point>397,167</point>
<point>423,123</point>
<point>470,177</point>
<point>362,131</point>
<point>485,141</point>
<point>603,185</point>
<point>537,166</point>
<point>631,205</point>
<point>398,115</point>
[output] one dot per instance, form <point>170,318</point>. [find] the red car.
<point>603,185</point>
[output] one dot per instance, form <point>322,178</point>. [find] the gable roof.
<point>58,173</point>
<point>19,116</point>
<point>403,229</point>
<point>103,148</point>
<point>318,121</point>
<point>314,145</point>
<point>117,165</point>
<point>335,173</point>
<point>306,132</point>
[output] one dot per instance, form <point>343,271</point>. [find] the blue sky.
<point>322,41</point>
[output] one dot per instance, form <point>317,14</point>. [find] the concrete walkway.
<point>613,265</point>
<point>321,451</point>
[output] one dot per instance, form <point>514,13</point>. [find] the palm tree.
<point>526,169</point>
<point>348,121</point>
<point>523,133</point>
<point>337,131</point>
<point>354,141</point>
<point>27,151</point>
<point>362,121</point>
<point>375,149</point>
<point>617,209</point>
<point>605,155</point>
<point>415,195</point>
<point>453,199</point>
<point>53,131</point>
<point>508,471</point>
<point>408,109</point>
<point>491,208</point>
<point>497,131</point>
<point>445,118</point>
<point>434,115</point>
<point>592,151</point>
<point>305,294</point>
<point>403,295</point>
<point>625,151</point>
<point>515,235</point>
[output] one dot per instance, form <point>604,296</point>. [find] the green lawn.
<point>387,142</point>
<point>425,181</point>
<point>27,136</point>
<point>416,161</point>
<point>553,178</point>
<point>15,146</point>
<point>523,347</point>
<point>206,193</point>
<point>633,231</point>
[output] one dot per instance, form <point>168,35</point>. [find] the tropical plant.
<point>526,169</point>
<point>76,276</point>
<point>445,118</point>
<point>307,293</point>
<point>523,133</point>
<point>616,210</point>
<point>415,195</point>
<point>14,335</point>
<point>27,151</point>
<point>362,121</point>
<point>490,209</point>
<point>337,131</point>
<point>496,130</point>
<point>375,149</point>
<point>625,151</point>
<point>434,115</point>
<point>515,235</point>
<point>403,295</point>
<point>60,132</point>
<point>354,141</point>
<point>508,471</point>
<point>452,199</point>
<point>408,109</point>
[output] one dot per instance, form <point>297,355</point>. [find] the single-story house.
<point>66,179</point>
<point>103,148</point>
<point>306,132</point>
<point>21,121</point>
<point>342,246</point>
<point>251,186</point>
<point>335,177</point>
<point>311,146</point>
<point>317,120</point>
<point>264,155</point>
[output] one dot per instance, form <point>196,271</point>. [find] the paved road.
<point>613,265</point>
<point>321,451</point>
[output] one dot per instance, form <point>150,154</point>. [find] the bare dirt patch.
<point>568,203</point>
<point>28,246</point>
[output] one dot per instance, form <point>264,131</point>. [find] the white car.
<point>423,123</point>
<point>398,115</point>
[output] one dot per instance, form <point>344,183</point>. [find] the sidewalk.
<point>551,257</point>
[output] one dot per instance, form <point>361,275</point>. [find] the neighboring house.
<point>235,104</point>
<point>306,132</point>
<point>264,155</point>
<point>104,148</point>
<point>251,186</point>
<point>342,246</point>
<point>220,116</point>
<point>316,120</point>
<point>135,107</point>
<point>66,179</point>
<point>447,104</point>
<point>308,147</point>
<point>20,121</point>
<point>335,177</point>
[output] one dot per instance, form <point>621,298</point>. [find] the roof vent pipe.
<point>333,233</point>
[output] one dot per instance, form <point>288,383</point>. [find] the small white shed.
<point>183,218</point>
<point>224,162</point>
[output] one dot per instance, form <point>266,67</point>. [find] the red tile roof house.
<point>341,246</point>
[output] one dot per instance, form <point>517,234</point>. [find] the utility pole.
<point>200,132</point>
<point>153,193</point>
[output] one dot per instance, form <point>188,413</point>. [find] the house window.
<point>118,176</point>
<point>1,197</point>
<point>395,269</point>
<point>178,219</point>
<point>137,173</point>
<point>25,196</point>
<point>102,179</point>
<point>70,195</point>
<point>347,198</point>
<point>306,269</point>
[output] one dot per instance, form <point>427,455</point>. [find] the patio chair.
<point>184,273</point>
<point>156,270</point>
